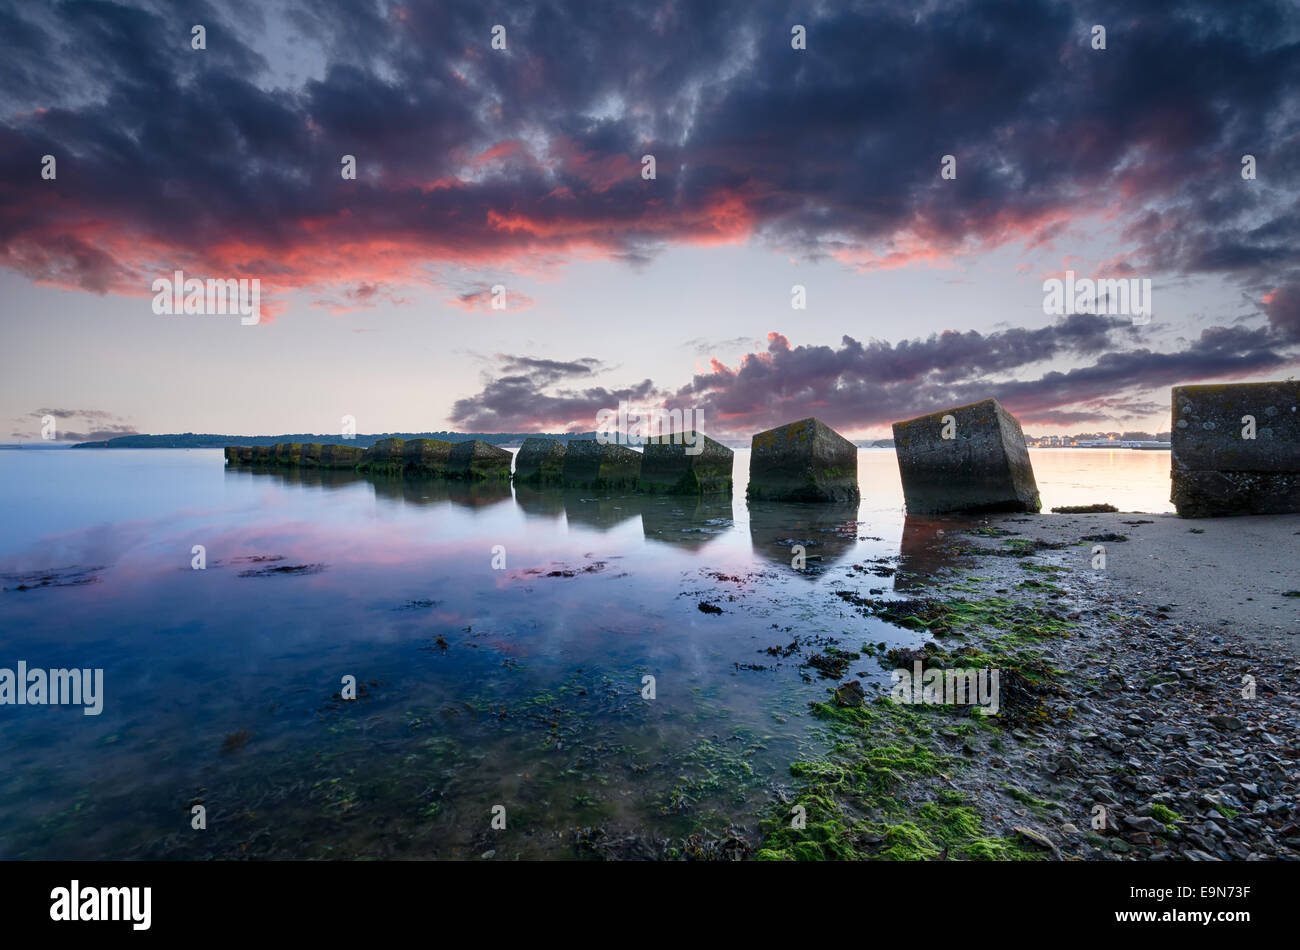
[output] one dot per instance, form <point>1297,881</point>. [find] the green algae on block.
<point>340,456</point>
<point>966,459</point>
<point>803,461</point>
<point>589,463</point>
<point>287,453</point>
<point>232,454</point>
<point>309,454</point>
<point>668,465</point>
<point>1236,449</point>
<point>540,461</point>
<point>478,460</point>
<point>426,456</point>
<point>383,458</point>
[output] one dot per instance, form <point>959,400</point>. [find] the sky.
<point>522,168</point>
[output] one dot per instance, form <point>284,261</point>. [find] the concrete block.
<point>1236,449</point>
<point>540,461</point>
<point>591,464</point>
<point>384,458</point>
<point>803,461</point>
<point>426,457</point>
<point>478,460</point>
<point>669,468</point>
<point>984,466</point>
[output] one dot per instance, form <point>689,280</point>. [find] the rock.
<point>984,466</point>
<point>426,456</point>
<point>849,694</point>
<point>1102,794</point>
<point>803,461</point>
<point>1225,723</point>
<point>589,463</point>
<point>1144,823</point>
<point>478,461</point>
<point>1193,854</point>
<point>540,461</point>
<point>668,466</point>
<point>1216,468</point>
<point>1035,837</point>
<point>383,458</point>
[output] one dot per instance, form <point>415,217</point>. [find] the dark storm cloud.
<point>213,160</point>
<point>468,153</point>
<point>516,398</point>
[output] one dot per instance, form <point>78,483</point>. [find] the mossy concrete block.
<point>232,454</point>
<point>983,466</point>
<point>803,461</point>
<point>540,461</point>
<point>668,467</point>
<point>1236,449</point>
<point>341,456</point>
<point>384,457</point>
<point>426,456</point>
<point>589,463</point>
<point>245,454</point>
<point>287,454</point>
<point>263,454</point>
<point>478,460</point>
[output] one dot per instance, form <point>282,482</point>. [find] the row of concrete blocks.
<point>1235,450</point>
<point>664,466</point>
<point>472,460</point>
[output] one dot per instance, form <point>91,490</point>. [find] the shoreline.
<point>1127,729</point>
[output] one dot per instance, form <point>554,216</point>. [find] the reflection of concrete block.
<point>1217,469</point>
<point>540,461</point>
<point>426,456</point>
<point>478,460</point>
<point>984,466</point>
<point>805,539</point>
<point>803,461</point>
<point>667,466</point>
<point>590,464</point>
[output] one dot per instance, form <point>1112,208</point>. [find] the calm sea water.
<point>519,687</point>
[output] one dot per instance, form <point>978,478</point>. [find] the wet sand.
<point>1228,575</point>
